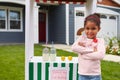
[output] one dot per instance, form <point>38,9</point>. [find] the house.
<point>12,21</point>
<point>109,11</point>
<point>53,21</point>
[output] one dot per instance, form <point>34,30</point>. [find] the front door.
<point>42,27</point>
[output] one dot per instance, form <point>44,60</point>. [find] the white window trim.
<point>7,27</point>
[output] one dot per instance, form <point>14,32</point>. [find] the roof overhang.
<point>117,1</point>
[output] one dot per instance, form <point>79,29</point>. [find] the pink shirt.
<point>89,61</point>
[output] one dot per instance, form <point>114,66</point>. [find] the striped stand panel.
<point>40,71</point>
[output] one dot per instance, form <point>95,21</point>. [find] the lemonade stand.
<point>35,67</point>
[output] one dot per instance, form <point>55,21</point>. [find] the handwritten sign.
<point>59,73</point>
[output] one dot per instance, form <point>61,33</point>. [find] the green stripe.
<point>47,71</point>
<point>39,71</point>
<point>71,71</point>
<point>63,64</point>
<point>31,68</point>
<point>55,64</point>
<point>77,72</point>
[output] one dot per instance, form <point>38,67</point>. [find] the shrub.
<point>112,46</point>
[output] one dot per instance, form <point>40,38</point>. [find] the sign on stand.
<point>59,73</point>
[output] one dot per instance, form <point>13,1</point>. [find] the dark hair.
<point>94,18</point>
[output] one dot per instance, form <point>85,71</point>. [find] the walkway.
<point>107,57</point>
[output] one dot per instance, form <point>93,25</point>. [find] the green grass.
<point>12,63</point>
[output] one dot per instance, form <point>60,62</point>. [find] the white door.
<point>108,26</point>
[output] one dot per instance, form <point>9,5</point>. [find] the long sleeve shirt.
<point>88,59</point>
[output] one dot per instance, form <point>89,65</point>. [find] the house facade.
<point>12,22</point>
<point>56,22</point>
<point>110,19</point>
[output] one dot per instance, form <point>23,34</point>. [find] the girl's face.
<point>91,29</point>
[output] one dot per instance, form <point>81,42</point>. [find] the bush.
<point>113,46</point>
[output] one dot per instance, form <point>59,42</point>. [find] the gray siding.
<point>71,22</point>
<point>57,24</point>
<point>13,37</point>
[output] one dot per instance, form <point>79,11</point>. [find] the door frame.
<point>47,31</point>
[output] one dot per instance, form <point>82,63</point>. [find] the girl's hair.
<point>94,18</point>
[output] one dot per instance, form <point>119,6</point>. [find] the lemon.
<point>63,58</point>
<point>69,58</point>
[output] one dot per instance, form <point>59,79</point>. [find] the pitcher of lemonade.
<point>52,53</point>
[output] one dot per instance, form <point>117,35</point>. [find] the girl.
<point>90,49</point>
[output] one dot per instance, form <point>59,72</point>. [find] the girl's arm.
<point>98,54</point>
<point>80,49</point>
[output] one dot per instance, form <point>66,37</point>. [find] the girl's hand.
<point>81,44</point>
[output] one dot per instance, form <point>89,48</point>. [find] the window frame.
<point>7,27</point>
<point>5,18</point>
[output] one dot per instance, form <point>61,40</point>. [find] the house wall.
<point>13,37</point>
<point>71,22</point>
<point>56,21</point>
<point>72,25</point>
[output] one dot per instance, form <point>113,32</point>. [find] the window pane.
<point>112,17</point>
<point>15,25</point>
<point>2,24</point>
<point>78,13</point>
<point>14,15</point>
<point>2,14</point>
<point>103,16</point>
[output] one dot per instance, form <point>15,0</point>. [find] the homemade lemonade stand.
<point>35,67</point>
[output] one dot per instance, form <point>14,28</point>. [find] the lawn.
<point>12,63</point>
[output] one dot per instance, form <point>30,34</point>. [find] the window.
<point>78,13</point>
<point>14,19</point>
<point>10,19</point>
<point>2,19</point>
<point>112,17</point>
<point>103,16</point>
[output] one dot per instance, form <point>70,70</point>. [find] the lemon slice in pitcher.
<point>69,58</point>
<point>63,58</point>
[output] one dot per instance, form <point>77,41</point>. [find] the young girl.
<point>90,49</point>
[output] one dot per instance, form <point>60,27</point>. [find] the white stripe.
<point>43,71</point>
<point>74,71</point>
<point>70,2</point>
<point>35,71</point>
<point>59,64</point>
<point>56,2</point>
<point>67,65</point>
<point>51,64</point>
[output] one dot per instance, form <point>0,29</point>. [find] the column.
<point>29,34</point>
<point>90,7</point>
<point>67,24</point>
<point>36,26</point>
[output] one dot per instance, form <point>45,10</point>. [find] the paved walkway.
<point>107,57</point>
